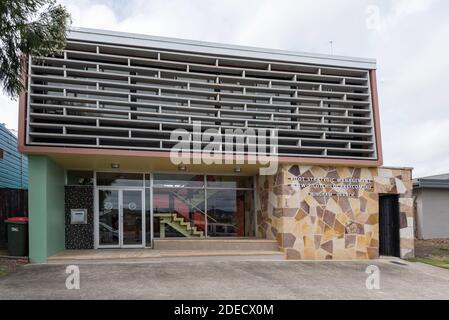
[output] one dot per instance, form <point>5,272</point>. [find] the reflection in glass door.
<point>120,218</point>
<point>132,217</point>
<point>108,218</point>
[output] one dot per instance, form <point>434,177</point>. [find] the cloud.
<point>403,8</point>
<point>89,14</point>
<point>410,45</point>
<point>9,112</point>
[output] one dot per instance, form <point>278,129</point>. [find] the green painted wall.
<point>46,208</point>
<point>37,208</point>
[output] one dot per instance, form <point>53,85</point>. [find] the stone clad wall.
<point>300,208</point>
<point>79,236</point>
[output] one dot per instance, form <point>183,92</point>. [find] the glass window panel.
<point>232,182</point>
<point>108,220</point>
<point>178,212</point>
<point>80,178</point>
<point>148,217</point>
<point>132,217</point>
<point>147,180</point>
<point>230,213</point>
<point>169,180</point>
<point>119,179</point>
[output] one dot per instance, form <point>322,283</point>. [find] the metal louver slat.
<point>99,95</point>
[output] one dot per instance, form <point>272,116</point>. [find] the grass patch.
<point>441,262</point>
<point>443,248</point>
<point>3,271</point>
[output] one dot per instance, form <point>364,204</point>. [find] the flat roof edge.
<point>397,168</point>
<point>430,183</point>
<point>140,40</point>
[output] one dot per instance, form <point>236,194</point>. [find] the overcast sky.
<point>409,39</point>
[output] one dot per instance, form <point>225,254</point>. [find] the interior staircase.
<point>177,222</point>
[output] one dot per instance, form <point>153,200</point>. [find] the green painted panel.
<point>55,209</point>
<point>37,173</point>
<point>46,208</point>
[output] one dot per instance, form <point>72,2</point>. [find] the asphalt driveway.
<point>224,278</point>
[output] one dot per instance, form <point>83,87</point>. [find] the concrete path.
<point>228,278</point>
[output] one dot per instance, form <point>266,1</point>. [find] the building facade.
<point>134,138</point>
<point>13,164</point>
<point>13,181</point>
<point>432,207</point>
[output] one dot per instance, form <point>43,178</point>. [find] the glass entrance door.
<point>132,218</point>
<point>120,218</point>
<point>108,218</point>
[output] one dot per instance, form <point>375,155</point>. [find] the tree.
<point>28,27</point>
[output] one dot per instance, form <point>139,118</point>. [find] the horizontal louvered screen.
<point>110,96</point>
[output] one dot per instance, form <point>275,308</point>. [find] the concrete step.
<point>151,255</point>
<point>216,244</point>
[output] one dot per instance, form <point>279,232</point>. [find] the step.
<point>216,244</point>
<point>151,255</point>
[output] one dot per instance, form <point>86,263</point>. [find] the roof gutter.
<point>430,183</point>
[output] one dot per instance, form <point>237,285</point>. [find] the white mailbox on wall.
<point>78,216</point>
